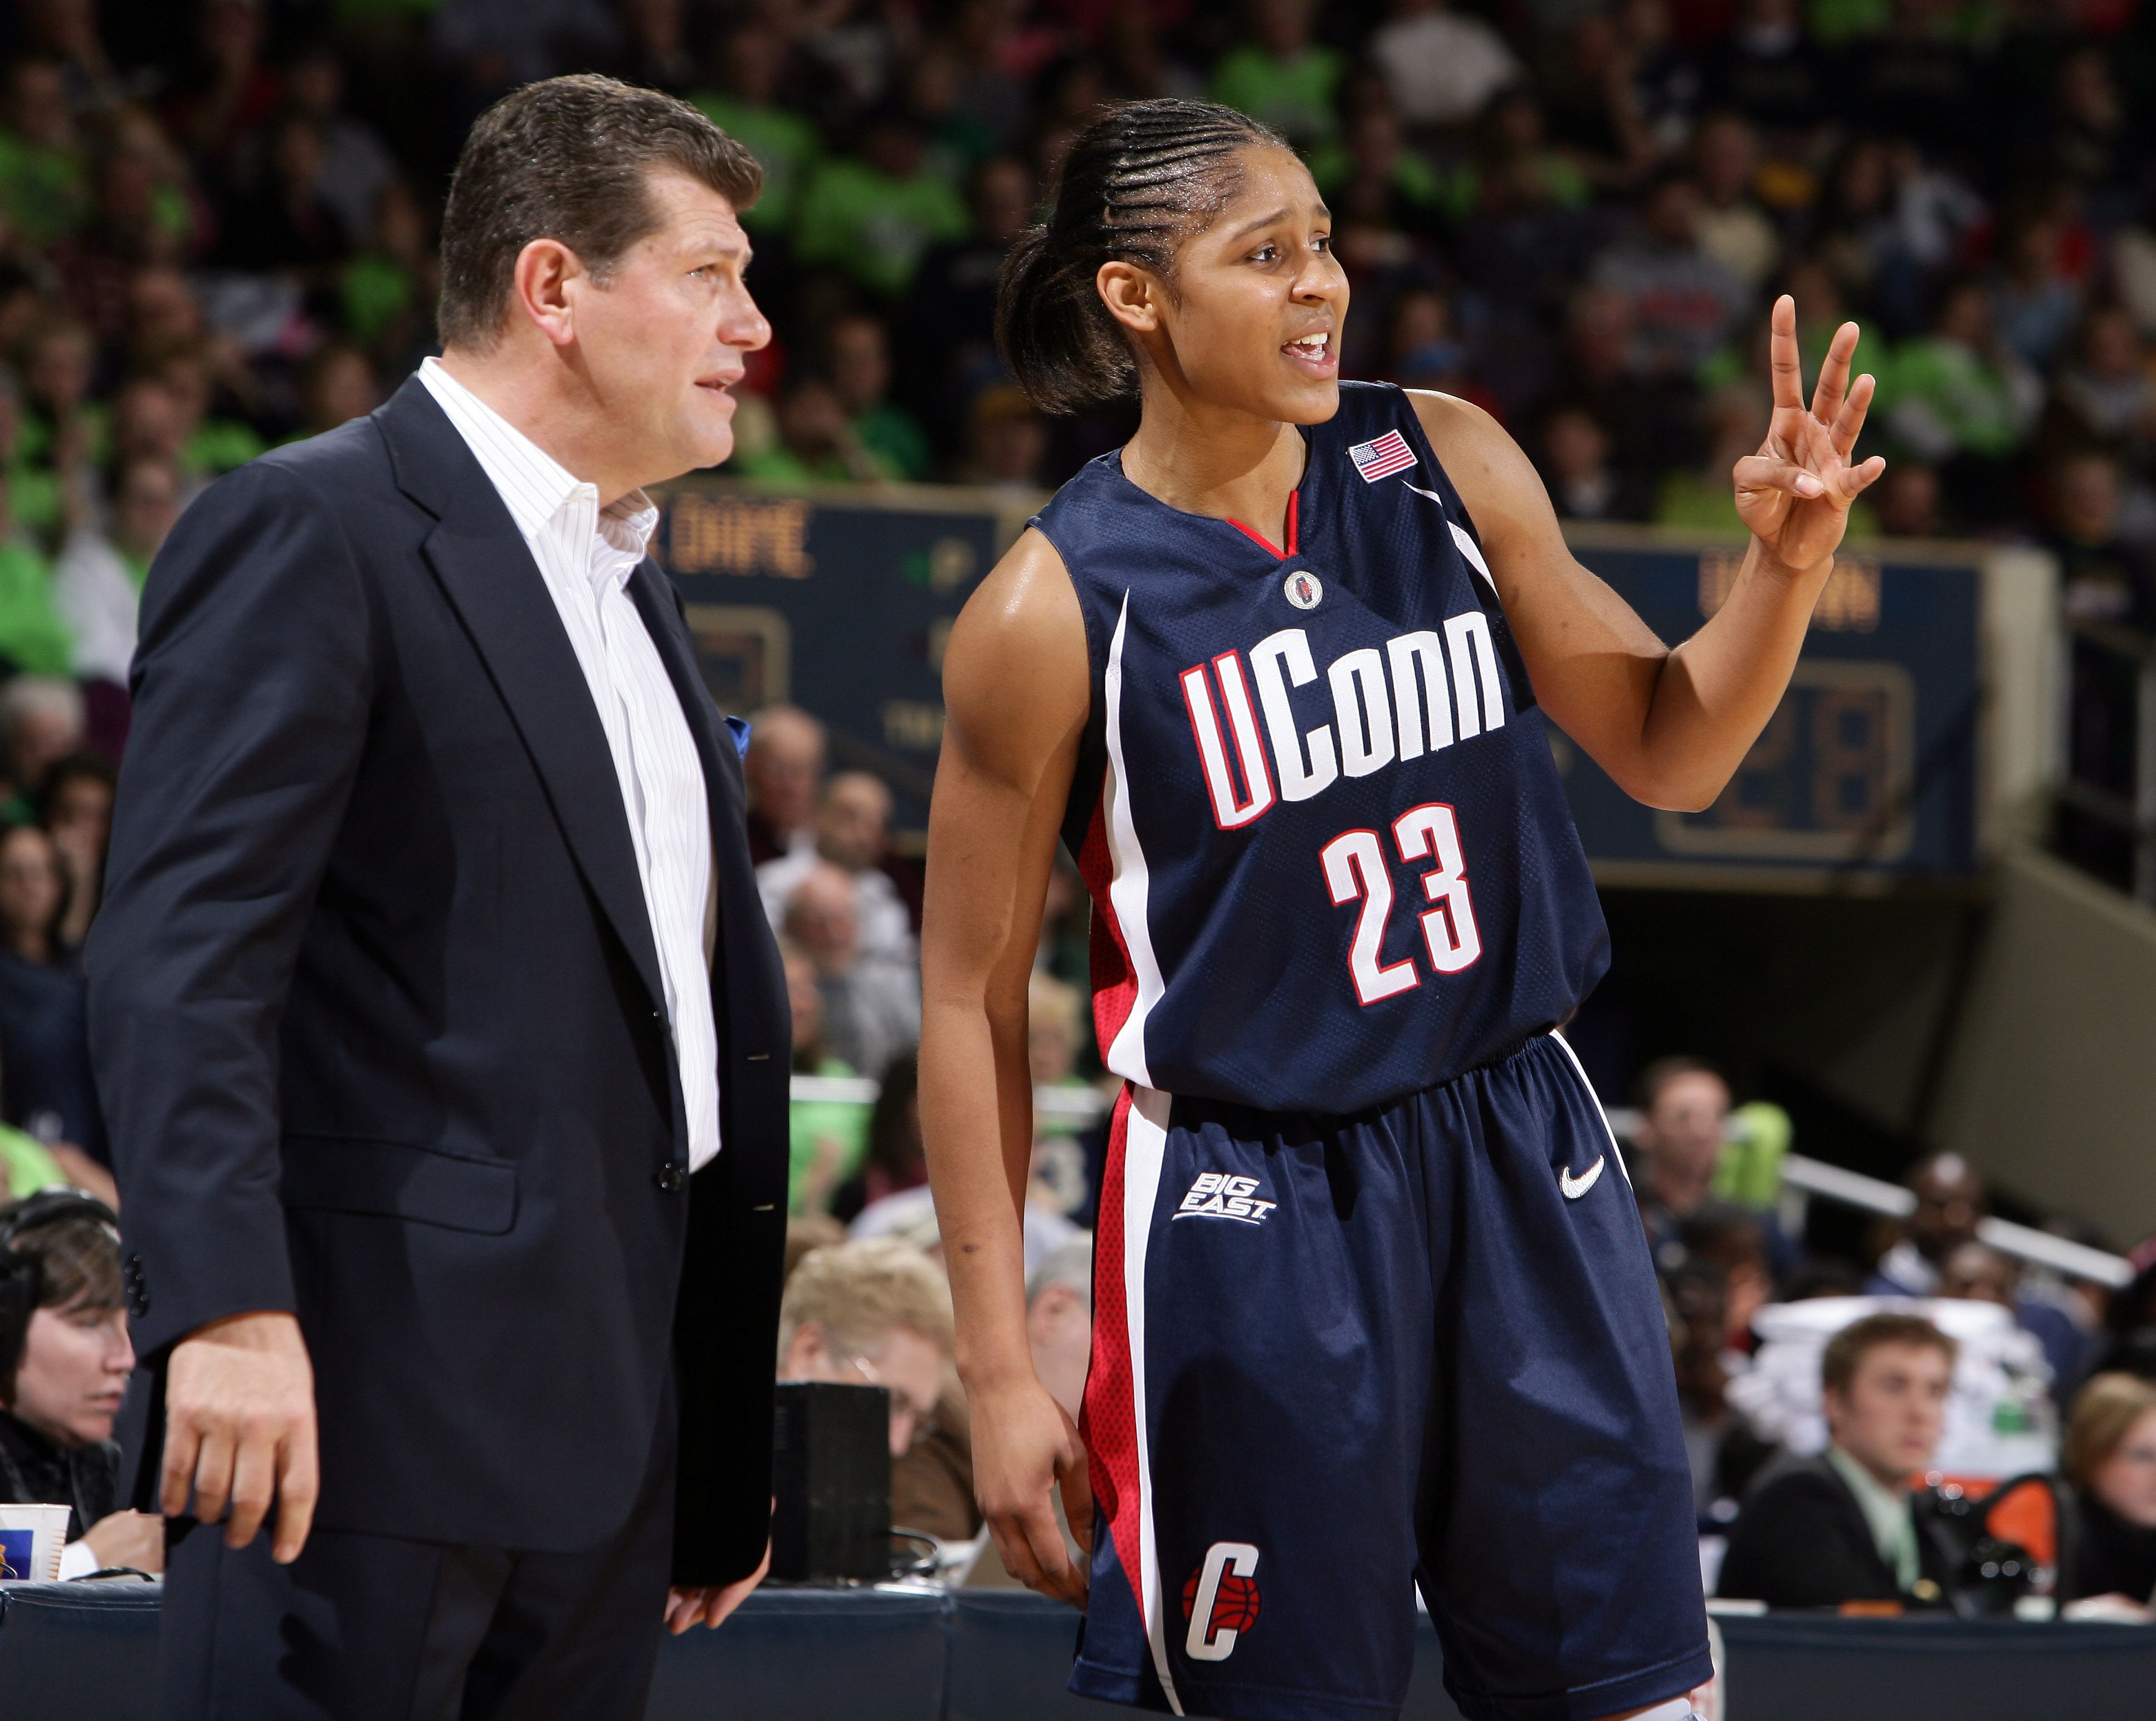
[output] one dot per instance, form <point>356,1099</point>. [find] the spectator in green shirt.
<point>212,446</point>
<point>817,443</point>
<point>861,372</point>
<point>1961,389</point>
<point>1280,76</point>
<point>33,637</point>
<point>784,141</point>
<point>827,1138</point>
<point>34,491</point>
<point>44,191</point>
<point>872,216</point>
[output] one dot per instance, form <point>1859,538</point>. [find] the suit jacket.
<point>379,1028</point>
<point>1802,1541</point>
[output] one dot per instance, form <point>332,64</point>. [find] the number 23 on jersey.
<point>1356,869</point>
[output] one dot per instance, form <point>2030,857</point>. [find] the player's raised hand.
<point>1795,492</point>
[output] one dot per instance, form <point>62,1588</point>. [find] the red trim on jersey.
<point>1265,543</point>
<point>1108,1417</point>
<point>1115,981</point>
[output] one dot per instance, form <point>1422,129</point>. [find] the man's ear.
<point>1132,296</point>
<point>543,288</point>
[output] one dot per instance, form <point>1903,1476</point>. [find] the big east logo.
<point>1217,1195</point>
<point>1220,1599</point>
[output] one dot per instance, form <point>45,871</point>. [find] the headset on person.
<point>18,1273</point>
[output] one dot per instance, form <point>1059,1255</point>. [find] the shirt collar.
<point>533,484</point>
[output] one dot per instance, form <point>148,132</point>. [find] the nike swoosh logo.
<point>1575,1187</point>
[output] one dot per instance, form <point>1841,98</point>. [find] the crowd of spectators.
<point>1845,1426</point>
<point>217,233</point>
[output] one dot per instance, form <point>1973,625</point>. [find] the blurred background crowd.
<point>217,232</point>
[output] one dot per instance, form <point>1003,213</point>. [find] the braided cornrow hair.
<point>1138,181</point>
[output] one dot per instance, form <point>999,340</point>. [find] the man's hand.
<point>239,1429</point>
<point>1795,492</point>
<point>710,1603</point>
<point>1025,1446</point>
<point>129,1538</point>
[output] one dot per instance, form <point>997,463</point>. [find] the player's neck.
<point>1228,465</point>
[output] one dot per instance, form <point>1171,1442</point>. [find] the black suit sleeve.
<point>1801,1542</point>
<point>252,686</point>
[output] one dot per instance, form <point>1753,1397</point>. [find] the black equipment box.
<point>831,1473</point>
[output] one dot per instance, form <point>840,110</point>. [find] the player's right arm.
<point>1017,689</point>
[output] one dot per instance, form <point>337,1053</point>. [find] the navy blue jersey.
<point>1330,861</point>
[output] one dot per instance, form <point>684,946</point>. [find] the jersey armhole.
<point>1090,768</point>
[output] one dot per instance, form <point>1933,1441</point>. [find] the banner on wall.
<point>841,601</point>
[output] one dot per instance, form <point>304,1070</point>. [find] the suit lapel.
<point>485,568</point>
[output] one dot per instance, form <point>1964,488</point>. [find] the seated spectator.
<point>817,443</point>
<point>897,1158</point>
<point>860,373</point>
<point>2104,576</point>
<point>1577,466</point>
<point>44,181</point>
<point>949,351</point>
<point>1441,67</point>
<point>1734,229</point>
<point>2110,1458</point>
<point>34,890</point>
<point>875,1312</point>
<point>1952,1201</point>
<point>63,1371</point>
<point>2107,392</point>
<point>1684,302</point>
<point>34,637</point>
<point>1058,1321</point>
<point>337,386</point>
<point>213,445</point>
<point>1279,77</point>
<point>827,1138</point>
<point>2034,302</point>
<point>871,1005</point>
<point>853,834</point>
<point>1845,1526</point>
<point>1684,1113</point>
<point>1701,498</point>
<point>871,216</point>
<point>41,722</point>
<point>783,140</point>
<point>34,499</point>
<point>76,810</point>
<point>784,769</point>
<point>1960,393</point>
<point>98,581</point>
<point>1906,500</point>
<point>356,164</point>
<point>386,293</point>
<point>1006,441</point>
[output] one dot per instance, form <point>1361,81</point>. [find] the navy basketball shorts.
<point>1335,1357</point>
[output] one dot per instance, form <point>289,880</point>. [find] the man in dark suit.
<point>442,1037</point>
<point>1843,1526</point>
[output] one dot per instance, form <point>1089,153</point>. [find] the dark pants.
<point>373,1628</point>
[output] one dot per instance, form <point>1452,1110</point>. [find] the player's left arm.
<point>1670,727</point>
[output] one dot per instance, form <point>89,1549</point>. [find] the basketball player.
<point>1373,1303</point>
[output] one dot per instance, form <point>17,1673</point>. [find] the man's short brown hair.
<point>568,159</point>
<point>1846,1350</point>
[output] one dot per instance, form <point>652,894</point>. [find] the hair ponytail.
<point>1137,181</point>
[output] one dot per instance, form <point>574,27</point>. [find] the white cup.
<point>31,1538</point>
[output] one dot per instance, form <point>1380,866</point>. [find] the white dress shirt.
<point>586,556</point>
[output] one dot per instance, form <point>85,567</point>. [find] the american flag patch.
<point>1381,459</point>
